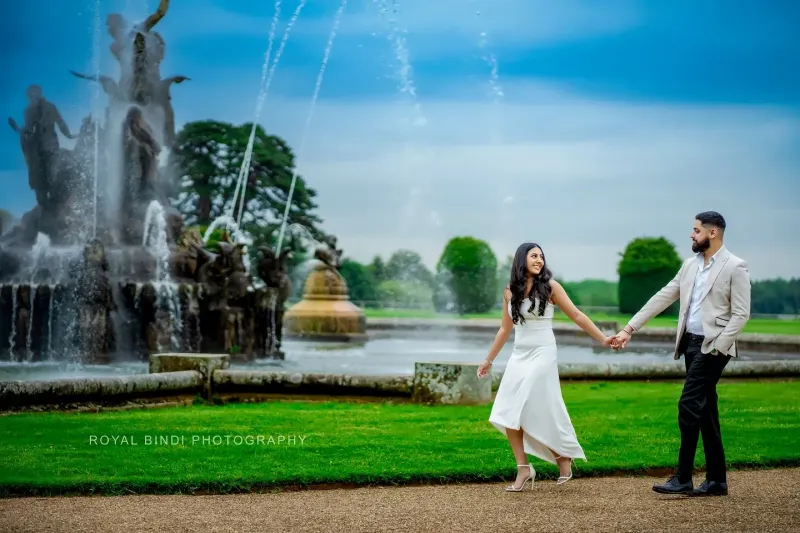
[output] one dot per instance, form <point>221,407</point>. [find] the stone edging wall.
<point>208,376</point>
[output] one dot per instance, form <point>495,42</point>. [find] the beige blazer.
<point>725,303</point>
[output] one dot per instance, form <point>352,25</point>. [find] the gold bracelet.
<point>486,360</point>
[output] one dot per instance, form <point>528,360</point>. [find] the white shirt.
<point>694,322</point>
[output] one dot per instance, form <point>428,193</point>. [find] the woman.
<point>528,407</point>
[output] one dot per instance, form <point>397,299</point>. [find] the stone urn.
<point>325,312</point>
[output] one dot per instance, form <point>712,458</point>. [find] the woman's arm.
<point>563,302</point>
<point>506,327</point>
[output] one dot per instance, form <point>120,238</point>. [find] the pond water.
<point>385,353</point>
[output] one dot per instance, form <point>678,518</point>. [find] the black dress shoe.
<point>674,486</point>
<point>711,488</point>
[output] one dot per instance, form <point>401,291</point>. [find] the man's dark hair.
<point>711,218</point>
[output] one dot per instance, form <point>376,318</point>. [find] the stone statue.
<point>39,142</point>
<point>110,87</point>
<point>274,271</point>
<point>189,256</point>
<point>174,225</point>
<point>192,330</point>
<point>140,151</point>
<point>22,322</point>
<point>85,138</point>
<point>163,99</point>
<point>225,277</point>
<point>138,130</point>
<point>158,336</point>
<point>237,278</point>
<point>232,324</point>
<point>329,254</point>
<point>147,51</point>
<point>271,269</point>
<point>95,301</point>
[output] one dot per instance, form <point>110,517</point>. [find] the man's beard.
<point>700,247</point>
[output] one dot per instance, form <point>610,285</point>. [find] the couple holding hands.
<point>713,287</point>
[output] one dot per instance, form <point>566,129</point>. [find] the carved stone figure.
<point>224,277</point>
<point>22,322</point>
<point>146,47</point>
<point>192,331</point>
<point>189,255</point>
<point>233,327</point>
<point>158,332</point>
<point>163,99</point>
<point>140,151</point>
<point>329,254</point>
<point>95,302</point>
<point>39,143</point>
<point>274,271</point>
<point>110,87</point>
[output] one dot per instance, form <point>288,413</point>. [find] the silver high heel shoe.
<point>531,476</point>
<point>563,479</point>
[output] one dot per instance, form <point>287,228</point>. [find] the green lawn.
<point>623,427</point>
<point>755,325</point>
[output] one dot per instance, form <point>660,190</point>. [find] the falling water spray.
<point>95,111</point>
<point>249,151</point>
<point>262,95</point>
<point>337,19</point>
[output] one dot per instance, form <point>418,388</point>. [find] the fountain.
<point>326,312</point>
<point>102,268</point>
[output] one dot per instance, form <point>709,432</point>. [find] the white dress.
<point>529,395</point>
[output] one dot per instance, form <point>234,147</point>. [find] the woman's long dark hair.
<point>541,289</point>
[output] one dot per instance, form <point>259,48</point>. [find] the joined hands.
<point>618,341</point>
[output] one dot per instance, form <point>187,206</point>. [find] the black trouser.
<point>697,410</point>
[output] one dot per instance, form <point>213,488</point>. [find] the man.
<point>714,292</point>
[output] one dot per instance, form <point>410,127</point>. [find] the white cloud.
<point>585,176</point>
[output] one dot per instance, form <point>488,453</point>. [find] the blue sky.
<point>616,119</point>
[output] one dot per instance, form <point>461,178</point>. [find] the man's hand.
<point>622,339</point>
<point>610,342</point>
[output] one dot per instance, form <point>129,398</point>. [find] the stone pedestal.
<point>449,383</point>
<point>202,362</point>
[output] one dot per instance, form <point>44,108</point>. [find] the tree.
<point>360,285</point>
<point>647,264</point>
<point>207,161</point>
<point>407,266</point>
<point>405,294</point>
<point>572,293</point>
<point>378,269</point>
<point>466,276</point>
<point>596,292</point>
<point>503,277</point>
<point>776,297</point>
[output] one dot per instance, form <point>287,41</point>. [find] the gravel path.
<point>760,501</point>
